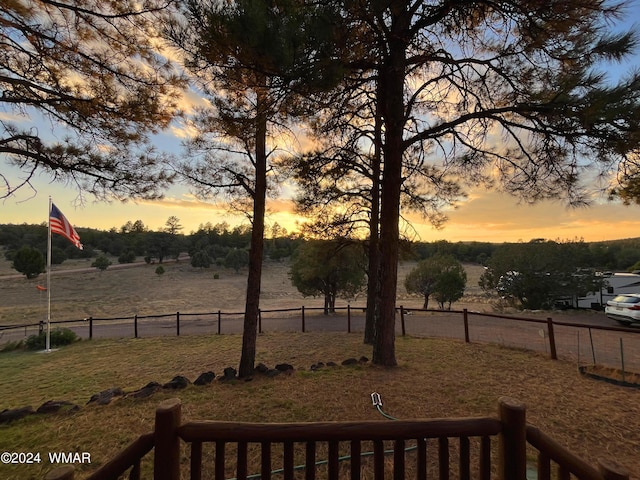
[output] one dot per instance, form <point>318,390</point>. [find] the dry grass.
<point>125,292</point>
<point>434,378</point>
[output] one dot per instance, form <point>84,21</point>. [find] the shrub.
<point>200,259</point>
<point>159,270</point>
<point>101,263</point>
<point>216,276</point>
<point>59,337</point>
<point>127,257</point>
<point>29,261</point>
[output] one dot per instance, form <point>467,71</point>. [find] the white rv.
<point>615,284</point>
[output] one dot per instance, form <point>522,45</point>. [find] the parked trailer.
<point>615,284</point>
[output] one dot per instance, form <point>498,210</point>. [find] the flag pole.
<point>48,340</point>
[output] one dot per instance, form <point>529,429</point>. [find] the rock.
<point>332,364</point>
<point>284,367</point>
<point>205,378</point>
<point>273,372</point>
<point>350,361</point>
<point>230,373</point>
<point>104,397</point>
<point>363,359</point>
<point>146,391</point>
<point>261,368</point>
<point>178,382</point>
<point>7,416</point>
<point>52,406</point>
<point>151,385</point>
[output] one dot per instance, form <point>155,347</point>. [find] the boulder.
<point>104,397</point>
<point>261,368</point>
<point>177,383</point>
<point>52,406</point>
<point>229,373</point>
<point>350,361</point>
<point>284,367</point>
<point>7,416</point>
<point>205,378</point>
<point>146,391</point>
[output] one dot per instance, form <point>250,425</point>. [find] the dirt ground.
<point>119,292</point>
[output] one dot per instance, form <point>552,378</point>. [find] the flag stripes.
<point>60,225</point>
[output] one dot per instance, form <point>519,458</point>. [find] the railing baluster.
<point>196,460</point>
<point>398,459</point>
<point>563,473</point>
<point>544,466</point>
<point>443,458</point>
<point>378,460</point>
<point>265,462</point>
<point>288,461</point>
<point>334,467</point>
<point>485,458</point>
<point>219,466</point>
<point>356,464</point>
<point>465,458</point>
<point>241,466</point>
<point>310,461</point>
<point>422,459</point>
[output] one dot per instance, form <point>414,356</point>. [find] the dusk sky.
<point>484,216</point>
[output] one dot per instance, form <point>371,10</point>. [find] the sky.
<point>485,215</point>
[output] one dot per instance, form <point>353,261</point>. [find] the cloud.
<point>495,217</point>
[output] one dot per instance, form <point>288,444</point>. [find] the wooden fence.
<point>487,448</point>
<point>463,324</point>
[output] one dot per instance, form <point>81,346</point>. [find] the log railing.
<point>260,450</point>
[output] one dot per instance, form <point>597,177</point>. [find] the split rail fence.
<point>587,344</point>
<point>487,448</point>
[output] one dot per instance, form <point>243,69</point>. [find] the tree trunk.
<point>373,279</point>
<point>252,304</point>
<point>392,101</point>
<point>426,302</point>
<point>327,302</point>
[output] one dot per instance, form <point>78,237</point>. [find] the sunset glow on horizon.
<point>486,216</point>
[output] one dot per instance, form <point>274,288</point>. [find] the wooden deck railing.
<point>260,450</point>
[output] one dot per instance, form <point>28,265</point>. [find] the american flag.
<point>59,224</point>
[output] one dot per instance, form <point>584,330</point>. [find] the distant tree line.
<point>210,244</point>
<point>612,255</point>
<point>134,240</point>
<point>532,274</point>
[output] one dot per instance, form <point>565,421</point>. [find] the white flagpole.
<point>48,341</point>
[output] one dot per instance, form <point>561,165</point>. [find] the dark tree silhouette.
<point>91,69</point>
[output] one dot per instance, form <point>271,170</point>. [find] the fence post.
<point>166,463</point>
<point>90,328</point>
<point>303,320</point>
<point>612,471</point>
<point>60,473</point>
<point>178,323</point>
<point>402,320</point>
<point>552,339</point>
<point>465,317</point>
<point>219,321</point>
<point>259,321</point>
<point>348,318</point>
<point>512,449</point>
<point>135,325</point>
